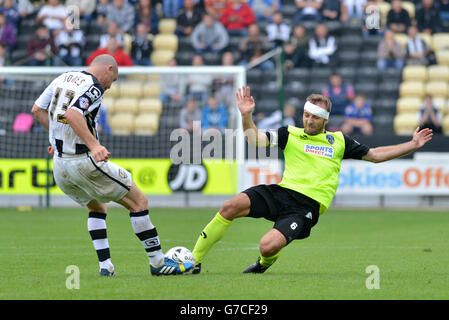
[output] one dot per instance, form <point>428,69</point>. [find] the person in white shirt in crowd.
<point>209,36</point>
<point>278,32</point>
<point>322,47</point>
<point>112,32</point>
<point>53,16</point>
<point>70,43</point>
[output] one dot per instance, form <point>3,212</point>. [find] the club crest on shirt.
<point>330,138</point>
<point>322,151</point>
<point>84,103</point>
<point>122,173</point>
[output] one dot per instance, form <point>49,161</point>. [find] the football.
<point>180,254</point>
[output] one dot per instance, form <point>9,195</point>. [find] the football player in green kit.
<point>310,179</point>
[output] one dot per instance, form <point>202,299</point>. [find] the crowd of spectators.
<point>210,25</point>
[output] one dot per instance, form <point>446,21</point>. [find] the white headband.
<point>316,110</point>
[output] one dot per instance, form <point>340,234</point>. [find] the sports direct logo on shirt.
<point>321,151</point>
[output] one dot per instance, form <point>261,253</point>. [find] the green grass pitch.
<point>410,249</point>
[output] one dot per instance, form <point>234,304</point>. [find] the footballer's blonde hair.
<point>317,98</point>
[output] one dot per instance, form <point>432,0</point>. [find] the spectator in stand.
<point>215,115</point>
<point>147,15</point>
<point>398,19</point>
<point>278,31</point>
<point>114,50</point>
<point>173,85</point>
<point>355,10</point>
<point>112,32</point>
<point>11,12</point>
<point>443,7</point>
<point>199,85</point>
<point>308,10</point>
<point>265,9</point>
<point>189,114</point>
<point>358,116</point>
<point>101,12</point>
<point>417,50</point>
<point>103,125</point>
<point>215,7</point>
<point>41,47</point>
<point>142,45</point>
<point>428,18</point>
<point>339,92</point>
<point>253,46</point>
<point>170,8</point>
<point>70,43</point>
<point>187,18</point>
<point>86,8</point>
<point>332,10</point>
<point>7,33</point>
<point>390,53</point>
<point>237,17</point>
<point>429,116</point>
<point>122,13</point>
<point>209,36</point>
<point>3,58</point>
<point>274,121</point>
<point>53,16</point>
<point>296,49</point>
<point>322,48</point>
<point>25,8</point>
<point>224,85</point>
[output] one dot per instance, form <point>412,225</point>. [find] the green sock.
<point>213,232</point>
<point>268,261</point>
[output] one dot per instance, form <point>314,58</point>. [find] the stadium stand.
<point>134,106</point>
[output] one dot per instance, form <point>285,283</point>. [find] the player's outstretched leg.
<point>137,203</point>
<point>270,248</point>
<point>236,207</point>
<point>96,225</point>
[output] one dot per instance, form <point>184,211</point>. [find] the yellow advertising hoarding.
<point>152,176</point>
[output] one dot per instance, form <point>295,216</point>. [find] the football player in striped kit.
<point>68,109</point>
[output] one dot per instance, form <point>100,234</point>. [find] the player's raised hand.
<point>421,137</point>
<point>245,101</point>
<point>100,153</point>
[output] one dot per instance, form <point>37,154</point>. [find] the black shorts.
<point>293,213</point>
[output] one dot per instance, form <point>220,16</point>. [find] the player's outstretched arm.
<point>246,104</point>
<point>381,154</point>
<point>78,124</point>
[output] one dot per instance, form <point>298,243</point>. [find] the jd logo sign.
<point>185,177</point>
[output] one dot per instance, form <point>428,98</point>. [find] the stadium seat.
<point>297,74</point>
<point>384,7</point>
<point>166,42</point>
<point>295,89</point>
<point>412,89</point>
<point>366,73</point>
<point>410,7</point>
<point>441,103</point>
<point>150,105</point>
<point>405,123</point>
<point>347,73</point>
<point>127,43</point>
<point>437,88</point>
<point>443,57</point>
<point>167,26</point>
<point>109,103</point>
<point>445,125</point>
<point>440,41</point>
<point>130,89</point>
<point>389,89</point>
<point>438,72</point>
<point>408,105</point>
<point>152,89</point>
<point>350,42</point>
<point>254,76</point>
<point>161,57</point>
<point>348,58</point>
<point>128,105</point>
<point>401,38</point>
<point>414,73</point>
<point>146,124</point>
<point>114,91</point>
<point>122,123</point>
